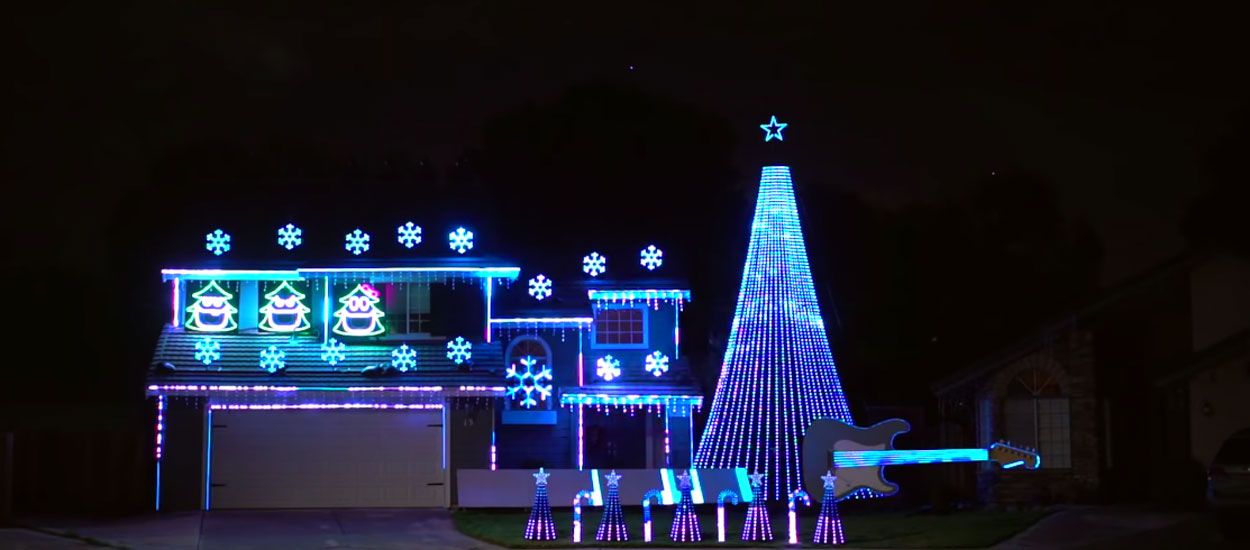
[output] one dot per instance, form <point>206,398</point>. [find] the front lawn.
<point>864,529</point>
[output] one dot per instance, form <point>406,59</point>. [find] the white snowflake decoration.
<point>207,350</point>
<point>357,242</point>
<point>217,242</point>
<point>409,235</point>
<point>527,382</point>
<point>651,257</point>
<point>657,363</point>
<point>272,359</point>
<point>404,358</point>
<point>290,236</point>
<point>608,368</point>
<point>333,352</point>
<point>540,287</point>
<point>594,264</point>
<point>459,350</point>
<point>460,240</point>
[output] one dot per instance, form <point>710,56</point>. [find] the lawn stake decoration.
<point>685,522</point>
<point>829,523</point>
<point>540,525</point>
<point>655,495</point>
<point>612,526</point>
<point>758,527</point>
<point>720,511</point>
<point>577,512</point>
<point>794,520</point>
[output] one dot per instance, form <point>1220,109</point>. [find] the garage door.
<point>319,459</point>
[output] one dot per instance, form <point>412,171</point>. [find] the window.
<point>1035,414</point>
<point>408,308</point>
<point>620,327</point>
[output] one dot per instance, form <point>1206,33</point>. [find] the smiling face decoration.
<point>212,310</point>
<point>359,315</point>
<point>285,311</point>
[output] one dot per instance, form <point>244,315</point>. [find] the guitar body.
<point>827,436</point>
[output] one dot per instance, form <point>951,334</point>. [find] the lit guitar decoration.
<point>858,456</point>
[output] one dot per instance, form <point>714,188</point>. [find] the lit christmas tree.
<point>212,310</point>
<point>829,523</point>
<point>612,526</point>
<point>757,527</point>
<point>778,374</point>
<point>685,522</point>
<point>540,525</point>
<point>285,311</point>
<point>360,315</point>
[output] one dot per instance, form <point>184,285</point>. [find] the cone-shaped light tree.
<point>829,523</point>
<point>685,522</point>
<point>757,526</point>
<point>612,526</point>
<point>778,373</point>
<point>540,525</point>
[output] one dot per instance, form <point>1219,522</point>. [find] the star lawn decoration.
<point>773,129</point>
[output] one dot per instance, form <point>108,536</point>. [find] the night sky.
<point>1101,122</point>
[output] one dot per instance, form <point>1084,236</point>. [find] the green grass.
<point>505,527</point>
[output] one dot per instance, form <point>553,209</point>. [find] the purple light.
<point>492,391</point>
<point>758,526</point>
<point>177,313</point>
<point>829,522</point>
<point>685,522</point>
<point>577,513</point>
<point>727,494</point>
<point>794,523</point>
<point>540,525</point>
<point>612,526</point>
<point>327,406</point>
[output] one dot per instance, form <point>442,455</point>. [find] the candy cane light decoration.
<point>727,494</point>
<point>794,522</point>
<point>653,494</point>
<point>577,513</point>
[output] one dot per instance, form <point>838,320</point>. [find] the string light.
<point>540,525</point>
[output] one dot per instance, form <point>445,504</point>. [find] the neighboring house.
<point>1126,399</point>
<point>366,383</point>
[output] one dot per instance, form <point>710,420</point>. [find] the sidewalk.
<point>1116,527</point>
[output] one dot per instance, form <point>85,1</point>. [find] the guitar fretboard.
<point>857,459</point>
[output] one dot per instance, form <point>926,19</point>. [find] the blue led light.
<point>608,368</point>
<point>594,264</point>
<point>856,459</point>
<point>409,235</point>
<point>656,363</point>
<point>333,352</point>
<point>649,295</point>
<point>290,236</point>
<point>207,350</point>
<point>540,287</point>
<point>356,242</point>
<point>460,240</point>
<point>217,242</point>
<point>272,359</point>
<point>651,257</point>
<point>459,350</point>
<point>773,129</point>
<point>631,400</point>
<point>536,378</point>
<point>778,373</point>
<point>404,358</point>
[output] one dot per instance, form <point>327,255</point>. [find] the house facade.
<point>368,383</point>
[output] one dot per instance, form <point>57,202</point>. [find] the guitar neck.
<point>858,459</point>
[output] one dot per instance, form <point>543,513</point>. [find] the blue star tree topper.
<point>773,129</point>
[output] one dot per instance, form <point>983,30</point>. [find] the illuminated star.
<point>614,479</point>
<point>757,479</point>
<point>829,479</point>
<point>683,480</point>
<point>541,477</point>
<point>773,129</point>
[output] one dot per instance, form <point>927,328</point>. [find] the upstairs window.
<point>620,327</point>
<point>408,308</point>
<point>1036,414</point>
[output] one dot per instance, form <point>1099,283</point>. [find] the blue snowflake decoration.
<point>773,129</point>
<point>459,350</point>
<point>404,358</point>
<point>608,368</point>
<point>217,242</point>
<point>409,234</point>
<point>540,287</point>
<point>524,384</point>
<point>207,350</point>
<point>333,352</point>
<point>594,264</point>
<point>272,359</point>
<point>651,257</point>
<point>357,242</point>
<point>460,240</point>
<point>657,363</point>
<point>290,236</point>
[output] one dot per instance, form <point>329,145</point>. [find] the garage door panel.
<point>308,459</point>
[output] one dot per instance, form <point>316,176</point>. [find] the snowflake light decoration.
<point>409,235</point>
<point>459,350</point>
<point>524,384</point>
<point>333,352</point>
<point>608,368</point>
<point>651,257</point>
<point>404,358</point>
<point>460,240</point>
<point>207,350</point>
<point>290,236</point>
<point>217,242</point>
<point>657,363</point>
<point>594,264</point>
<point>540,287</point>
<point>272,359</point>
<point>356,242</point>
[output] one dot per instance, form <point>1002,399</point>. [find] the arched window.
<point>534,347</point>
<point>1036,414</point>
